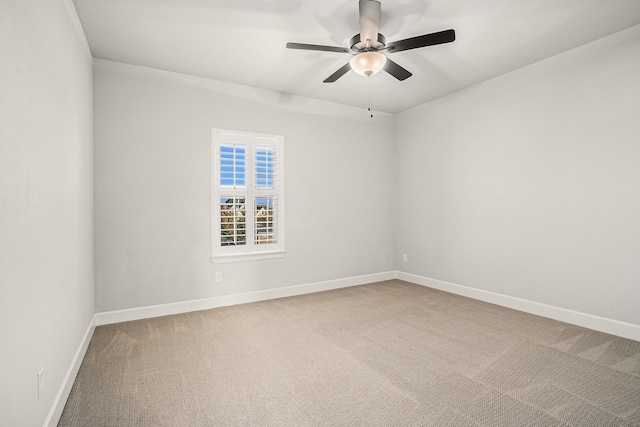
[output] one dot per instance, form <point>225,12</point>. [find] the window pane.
<point>232,222</point>
<point>265,167</point>
<point>233,164</point>
<point>265,220</point>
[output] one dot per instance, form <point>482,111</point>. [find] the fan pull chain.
<point>369,90</point>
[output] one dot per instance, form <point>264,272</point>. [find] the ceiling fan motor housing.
<point>361,46</point>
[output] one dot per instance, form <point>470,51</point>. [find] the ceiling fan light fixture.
<point>368,63</point>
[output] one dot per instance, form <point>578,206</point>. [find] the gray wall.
<point>528,185</point>
<point>152,181</point>
<point>46,205</point>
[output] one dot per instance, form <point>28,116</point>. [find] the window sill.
<point>221,259</point>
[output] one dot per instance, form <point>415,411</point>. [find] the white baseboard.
<point>108,317</point>
<point>67,382</point>
<point>609,326</point>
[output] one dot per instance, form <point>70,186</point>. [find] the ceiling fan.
<point>367,47</point>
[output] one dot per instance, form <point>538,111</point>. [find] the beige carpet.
<point>384,354</point>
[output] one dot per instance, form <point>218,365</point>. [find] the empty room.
<point>319,213</point>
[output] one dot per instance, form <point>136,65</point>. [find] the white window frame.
<point>250,250</point>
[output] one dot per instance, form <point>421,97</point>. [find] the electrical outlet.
<point>218,276</point>
<point>404,258</point>
<point>40,382</point>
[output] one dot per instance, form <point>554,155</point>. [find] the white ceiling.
<point>243,41</point>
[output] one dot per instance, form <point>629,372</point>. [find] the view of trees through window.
<point>265,231</point>
<point>233,223</point>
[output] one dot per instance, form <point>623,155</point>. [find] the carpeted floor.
<point>384,354</point>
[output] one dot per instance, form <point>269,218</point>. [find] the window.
<point>248,196</point>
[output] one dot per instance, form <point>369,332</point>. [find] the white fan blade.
<point>369,21</point>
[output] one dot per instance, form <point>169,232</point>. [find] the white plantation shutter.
<point>265,167</point>
<point>233,165</point>
<point>266,186</point>
<point>266,220</point>
<point>248,196</point>
<point>233,221</point>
